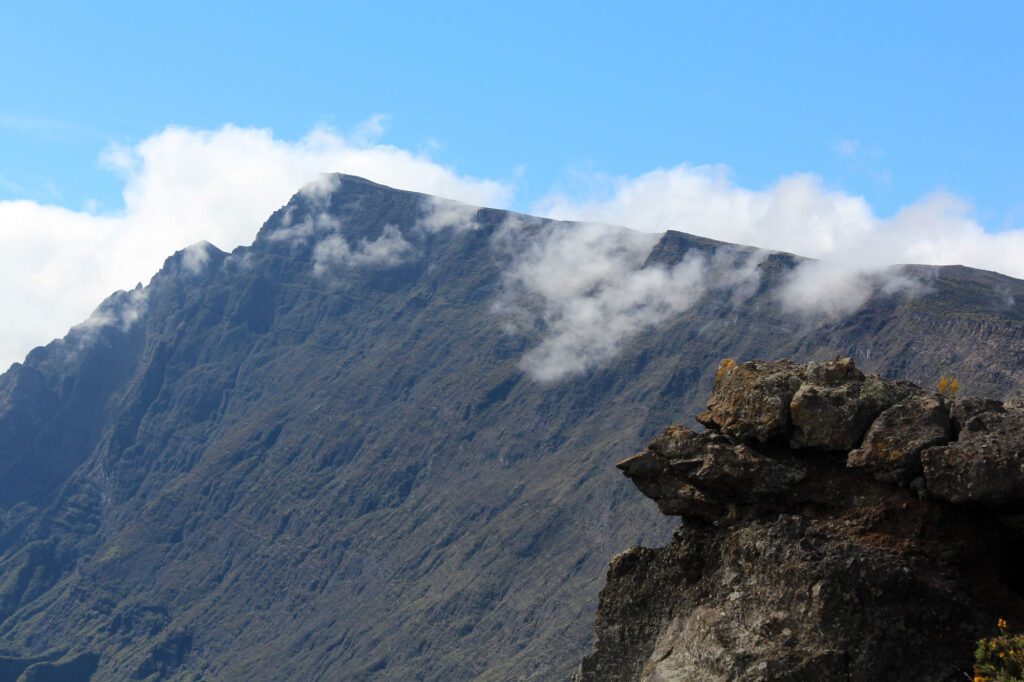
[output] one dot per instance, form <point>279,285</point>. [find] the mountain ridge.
<point>271,473</point>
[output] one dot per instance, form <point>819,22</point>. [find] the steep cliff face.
<point>835,526</point>
<point>319,456</point>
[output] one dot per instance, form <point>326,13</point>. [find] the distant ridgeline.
<point>835,527</point>
<point>377,444</point>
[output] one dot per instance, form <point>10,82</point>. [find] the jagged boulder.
<point>817,406</point>
<point>834,408</point>
<point>701,475</point>
<point>892,447</point>
<point>985,465</point>
<point>750,402</point>
<point>961,411</point>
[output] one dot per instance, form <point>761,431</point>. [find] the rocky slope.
<point>835,526</point>
<point>319,456</point>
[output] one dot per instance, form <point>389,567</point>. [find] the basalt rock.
<point>818,406</point>
<point>961,411</point>
<point>836,415</point>
<point>750,402</point>
<point>985,465</point>
<point>700,475</point>
<point>809,558</point>
<point>892,448</point>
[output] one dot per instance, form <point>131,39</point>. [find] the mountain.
<point>378,443</point>
<point>834,527</point>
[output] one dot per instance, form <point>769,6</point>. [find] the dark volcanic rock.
<point>985,465</point>
<point>701,475</point>
<point>833,409</point>
<point>819,406</point>
<point>892,448</point>
<point>964,408</point>
<point>752,401</point>
<point>833,573</point>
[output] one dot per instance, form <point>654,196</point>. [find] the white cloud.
<point>121,310</point>
<point>585,288</point>
<point>833,289</point>
<point>440,213</point>
<point>798,214</point>
<point>182,186</point>
<point>195,257</point>
<point>389,249</point>
<point>847,148</point>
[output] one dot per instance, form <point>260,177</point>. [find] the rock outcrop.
<point>835,526</point>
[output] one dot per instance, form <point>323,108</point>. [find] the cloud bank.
<point>182,186</point>
<point>800,215</point>
<point>584,288</point>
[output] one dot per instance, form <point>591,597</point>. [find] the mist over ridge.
<point>378,442</point>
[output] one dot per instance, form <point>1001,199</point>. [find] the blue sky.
<point>889,102</point>
<point>863,134</point>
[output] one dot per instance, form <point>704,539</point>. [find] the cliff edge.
<point>835,526</point>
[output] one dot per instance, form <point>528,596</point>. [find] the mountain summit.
<point>378,442</point>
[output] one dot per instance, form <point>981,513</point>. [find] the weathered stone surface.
<point>963,409</point>
<point>836,406</point>
<point>701,475</point>
<point>986,464</point>
<point>751,401</point>
<point>789,565</point>
<point>893,445</point>
<point>817,406</point>
<point>790,598</point>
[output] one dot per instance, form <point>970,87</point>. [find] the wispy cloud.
<point>182,186</point>
<point>799,214</point>
<point>440,213</point>
<point>585,289</point>
<point>387,250</point>
<point>847,148</point>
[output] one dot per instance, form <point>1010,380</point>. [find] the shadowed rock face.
<point>986,463</point>
<point>797,560</point>
<point>285,472</point>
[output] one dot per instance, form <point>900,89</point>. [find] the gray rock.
<point>790,566</point>
<point>780,598</point>
<point>750,402</point>
<point>963,409</point>
<point>835,413</point>
<point>893,445</point>
<point>985,465</point>
<point>702,475</point>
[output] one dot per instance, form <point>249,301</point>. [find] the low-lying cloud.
<point>800,215</point>
<point>584,287</point>
<point>387,250</point>
<point>441,213</point>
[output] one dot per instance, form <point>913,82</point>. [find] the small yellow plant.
<point>948,386</point>
<point>1001,658</point>
<point>724,367</point>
